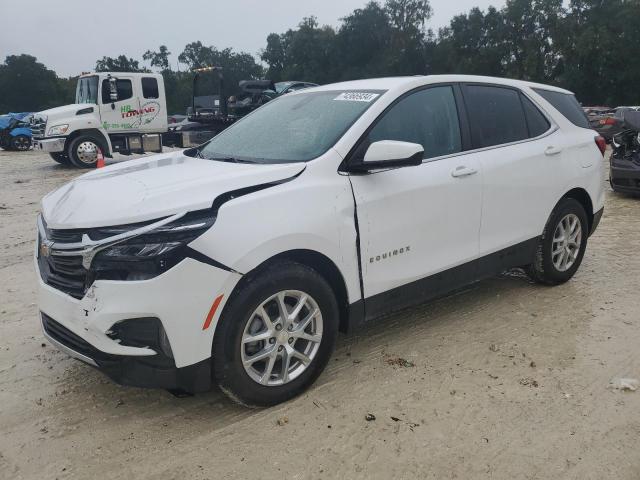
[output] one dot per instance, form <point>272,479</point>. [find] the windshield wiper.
<point>230,159</point>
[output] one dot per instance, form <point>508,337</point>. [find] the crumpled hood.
<point>152,187</point>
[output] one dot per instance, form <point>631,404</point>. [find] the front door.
<point>416,222</point>
<point>123,114</point>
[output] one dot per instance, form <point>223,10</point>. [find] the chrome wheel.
<point>567,239</point>
<point>87,152</point>
<point>281,338</point>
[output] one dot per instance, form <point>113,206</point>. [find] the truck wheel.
<point>562,244</point>
<point>21,143</point>
<point>275,335</point>
<point>60,157</point>
<point>83,151</point>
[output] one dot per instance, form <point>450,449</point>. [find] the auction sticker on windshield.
<point>357,96</point>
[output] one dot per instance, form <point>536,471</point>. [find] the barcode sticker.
<point>357,97</point>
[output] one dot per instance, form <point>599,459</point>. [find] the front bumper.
<point>624,176</point>
<point>180,298</point>
<point>142,372</point>
<point>50,145</point>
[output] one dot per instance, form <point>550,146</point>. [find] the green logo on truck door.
<point>142,116</point>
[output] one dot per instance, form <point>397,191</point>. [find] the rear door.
<point>519,151</point>
<point>153,118</point>
<point>415,222</point>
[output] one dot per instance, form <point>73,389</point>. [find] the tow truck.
<point>114,112</point>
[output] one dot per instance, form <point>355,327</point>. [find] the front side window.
<point>428,117</point>
<point>87,90</point>
<point>496,115</point>
<point>292,128</point>
<point>123,86</point>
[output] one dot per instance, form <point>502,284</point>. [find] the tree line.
<point>588,46</point>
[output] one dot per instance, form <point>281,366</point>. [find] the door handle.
<point>463,171</point>
<point>552,151</point>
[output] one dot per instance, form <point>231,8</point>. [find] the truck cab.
<point>114,112</point>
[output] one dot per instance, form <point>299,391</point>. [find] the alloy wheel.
<point>567,239</point>
<point>22,143</point>
<point>281,338</point>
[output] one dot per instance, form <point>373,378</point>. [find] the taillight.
<point>602,144</point>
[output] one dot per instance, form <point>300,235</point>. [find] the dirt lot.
<point>507,380</point>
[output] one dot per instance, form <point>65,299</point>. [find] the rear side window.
<point>536,121</point>
<point>496,115</point>
<point>567,105</point>
<point>150,87</point>
<point>428,117</point>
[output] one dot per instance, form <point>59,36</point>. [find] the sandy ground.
<point>507,380</point>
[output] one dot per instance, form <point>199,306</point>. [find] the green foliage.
<point>159,59</point>
<point>28,86</point>
<point>119,64</point>
<point>587,46</point>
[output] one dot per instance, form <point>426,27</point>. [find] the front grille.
<point>64,273</point>
<point>38,129</point>
<point>69,339</point>
<point>64,236</point>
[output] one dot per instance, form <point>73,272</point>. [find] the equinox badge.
<point>387,255</point>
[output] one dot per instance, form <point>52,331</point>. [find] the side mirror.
<point>390,154</point>
<point>113,89</point>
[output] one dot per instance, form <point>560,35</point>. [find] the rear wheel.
<point>21,143</point>
<point>275,336</point>
<point>61,157</point>
<point>562,245</point>
<point>83,151</point>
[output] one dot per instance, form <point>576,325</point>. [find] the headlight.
<point>151,254</point>
<point>58,130</point>
<point>137,251</point>
<point>178,127</point>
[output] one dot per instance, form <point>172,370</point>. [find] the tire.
<point>240,317</point>
<point>83,151</point>
<point>547,268</point>
<point>22,143</point>
<point>61,157</point>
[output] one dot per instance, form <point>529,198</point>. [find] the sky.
<point>68,36</point>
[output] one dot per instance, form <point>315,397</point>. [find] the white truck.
<point>114,112</point>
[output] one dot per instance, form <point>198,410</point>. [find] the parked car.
<point>176,118</point>
<point>282,88</point>
<point>238,261</point>
<point>610,123</point>
<point>15,133</point>
<point>624,173</point>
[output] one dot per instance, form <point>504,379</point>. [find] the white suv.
<point>239,261</point>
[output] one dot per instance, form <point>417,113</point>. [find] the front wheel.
<point>562,244</point>
<point>83,151</point>
<point>21,143</point>
<point>275,335</point>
